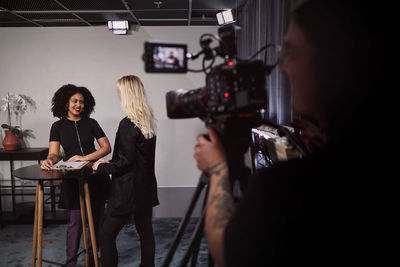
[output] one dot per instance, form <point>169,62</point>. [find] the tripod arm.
<point>203,181</point>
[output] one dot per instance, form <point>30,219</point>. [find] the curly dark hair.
<point>61,98</point>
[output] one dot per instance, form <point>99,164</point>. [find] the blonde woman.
<point>134,186</point>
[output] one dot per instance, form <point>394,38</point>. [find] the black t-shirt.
<point>73,136</point>
<point>297,213</point>
<point>66,132</point>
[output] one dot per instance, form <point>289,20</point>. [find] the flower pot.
<point>10,141</point>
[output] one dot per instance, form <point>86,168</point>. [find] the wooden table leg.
<point>40,224</point>
<point>91,225</point>
<point>35,225</point>
<point>83,217</point>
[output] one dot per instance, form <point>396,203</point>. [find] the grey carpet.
<point>16,244</point>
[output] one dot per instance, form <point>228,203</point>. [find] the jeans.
<point>110,229</point>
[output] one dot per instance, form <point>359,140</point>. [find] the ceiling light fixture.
<point>158,3</point>
<point>118,26</point>
<point>225,17</point>
<point>220,18</point>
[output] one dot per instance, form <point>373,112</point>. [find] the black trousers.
<point>110,229</point>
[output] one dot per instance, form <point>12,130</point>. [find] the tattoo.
<point>225,184</point>
<point>222,200</point>
<point>225,209</point>
<point>217,168</point>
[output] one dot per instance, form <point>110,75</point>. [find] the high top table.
<point>35,173</point>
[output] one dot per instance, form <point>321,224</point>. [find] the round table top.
<point>34,172</point>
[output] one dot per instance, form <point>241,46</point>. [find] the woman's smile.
<point>77,109</point>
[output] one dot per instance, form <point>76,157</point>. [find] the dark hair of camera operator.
<point>306,211</point>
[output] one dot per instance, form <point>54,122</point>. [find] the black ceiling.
<point>37,13</point>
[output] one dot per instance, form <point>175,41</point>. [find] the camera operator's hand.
<point>209,153</point>
<point>312,136</point>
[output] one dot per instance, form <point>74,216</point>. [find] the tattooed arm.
<point>210,156</point>
<point>220,209</point>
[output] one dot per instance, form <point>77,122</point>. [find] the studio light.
<point>228,16</point>
<point>118,26</point>
<point>220,18</point>
<point>225,17</point>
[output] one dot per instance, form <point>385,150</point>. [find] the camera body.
<point>232,87</point>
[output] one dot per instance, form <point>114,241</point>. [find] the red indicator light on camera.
<point>230,63</point>
<point>226,94</point>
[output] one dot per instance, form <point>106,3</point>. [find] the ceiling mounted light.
<point>158,3</point>
<point>225,17</point>
<point>228,16</point>
<point>220,18</point>
<point>118,26</point>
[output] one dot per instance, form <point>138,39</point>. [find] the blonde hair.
<point>134,103</point>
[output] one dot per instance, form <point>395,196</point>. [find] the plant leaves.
<point>16,131</point>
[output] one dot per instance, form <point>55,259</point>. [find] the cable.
<point>201,70</point>
<point>204,69</point>
<point>215,37</point>
<point>278,52</point>
<point>262,49</point>
<point>190,70</point>
<point>209,66</point>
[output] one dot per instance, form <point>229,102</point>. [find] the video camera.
<point>233,97</point>
<point>233,88</point>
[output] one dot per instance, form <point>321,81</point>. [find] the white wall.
<point>37,61</point>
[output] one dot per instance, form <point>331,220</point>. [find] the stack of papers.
<point>69,165</point>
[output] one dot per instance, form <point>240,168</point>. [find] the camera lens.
<point>186,103</point>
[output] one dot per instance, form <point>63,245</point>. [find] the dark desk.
<point>38,154</point>
<point>36,174</point>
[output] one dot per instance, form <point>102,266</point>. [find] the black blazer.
<point>134,185</point>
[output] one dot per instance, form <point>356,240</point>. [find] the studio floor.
<point>16,244</point>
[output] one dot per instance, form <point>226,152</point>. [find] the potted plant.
<point>18,104</point>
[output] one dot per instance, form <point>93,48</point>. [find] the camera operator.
<point>310,211</point>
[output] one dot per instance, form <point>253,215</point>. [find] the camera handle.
<point>195,240</point>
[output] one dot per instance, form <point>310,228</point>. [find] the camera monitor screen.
<point>162,57</point>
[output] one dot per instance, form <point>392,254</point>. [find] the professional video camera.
<point>233,87</point>
<point>234,95</point>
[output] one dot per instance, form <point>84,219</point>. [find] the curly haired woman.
<point>76,133</point>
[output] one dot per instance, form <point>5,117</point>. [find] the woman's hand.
<point>46,164</point>
<point>76,158</point>
<point>209,153</point>
<point>97,163</point>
